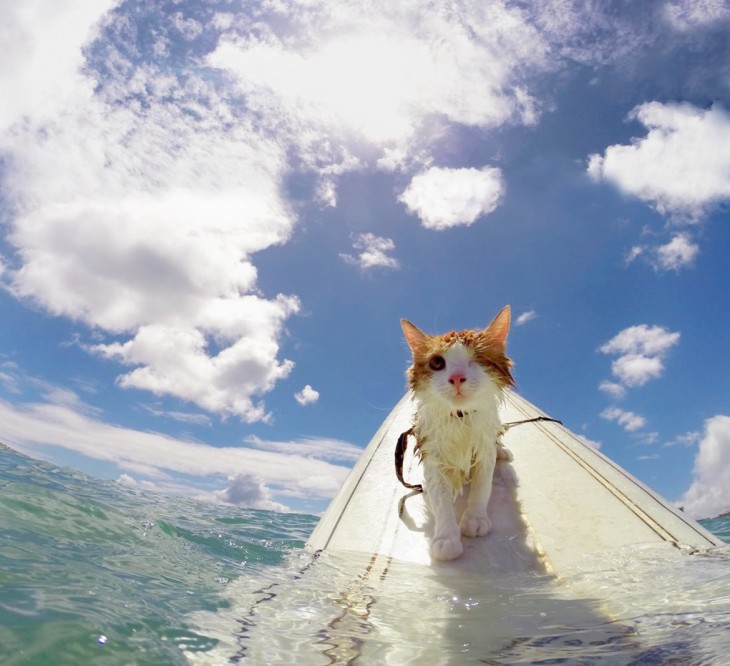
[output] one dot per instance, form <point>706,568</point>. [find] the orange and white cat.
<point>458,381</point>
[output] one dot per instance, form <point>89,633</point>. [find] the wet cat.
<point>458,381</point>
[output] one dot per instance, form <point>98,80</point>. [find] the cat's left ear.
<point>499,328</point>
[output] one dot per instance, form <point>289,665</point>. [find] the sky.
<point>214,214</point>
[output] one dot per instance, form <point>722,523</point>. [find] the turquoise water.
<point>92,572</point>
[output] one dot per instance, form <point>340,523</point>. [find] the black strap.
<point>400,450</point>
<point>507,426</point>
<point>402,445</point>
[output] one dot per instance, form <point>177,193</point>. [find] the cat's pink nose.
<point>457,379</point>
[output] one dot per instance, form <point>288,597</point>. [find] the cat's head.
<point>460,368</point>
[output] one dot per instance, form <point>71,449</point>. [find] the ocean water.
<point>92,572</point>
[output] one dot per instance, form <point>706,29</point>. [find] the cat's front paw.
<point>446,548</point>
<point>475,526</point>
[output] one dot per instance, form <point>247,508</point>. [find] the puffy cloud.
<point>641,349</point>
<point>307,396</point>
<point>529,315</point>
<point>444,198</point>
<point>682,166</point>
<point>636,370</point>
<point>642,339</point>
<point>709,493</point>
<point>677,253</point>
<point>626,419</point>
<point>247,490</point>
<point>372,252</point>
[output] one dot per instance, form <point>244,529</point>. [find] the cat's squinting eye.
<point>437,363</point>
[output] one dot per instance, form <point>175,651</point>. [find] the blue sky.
<point>214,214</point>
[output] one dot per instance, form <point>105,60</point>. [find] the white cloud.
<point>626,419</point>
<point>636,370</point>
<point>677,253</point>
<point>525,317</point>
<point>42,58</point>
<point>685,15</point>
<point>372,252</point>
<point>613,389</point>
<point>307,396</point>
<point>641,339</point>
<point>248,490</point>
<point>641,349</point>
<point>709,493</point>
<point>687,439</point>
<point>444,198</point>
<point>649,456</point>
<point>147,232</point>
<point>318,448</point>
<point>383,72</point>
<point>589,442</point>
<point>682,166</point>
<point>300,470</point>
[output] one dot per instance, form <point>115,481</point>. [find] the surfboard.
<point>577,567</point>
<point>558,502</point>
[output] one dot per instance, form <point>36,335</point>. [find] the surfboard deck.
<point>549,582</point>
<point>558,502</point>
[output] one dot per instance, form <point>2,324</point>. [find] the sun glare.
<point>367,81</point>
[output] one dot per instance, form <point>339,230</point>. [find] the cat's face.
<point>459,369</point>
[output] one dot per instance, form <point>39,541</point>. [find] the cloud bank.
<point>302,469</point>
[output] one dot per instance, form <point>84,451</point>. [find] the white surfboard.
<point>559,502</point>
<point>583,564</point>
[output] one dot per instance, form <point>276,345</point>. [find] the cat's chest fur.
<point>455,441</point>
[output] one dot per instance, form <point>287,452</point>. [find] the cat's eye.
<point>437,363</point>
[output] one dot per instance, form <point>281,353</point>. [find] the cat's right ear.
<point>415,337</point>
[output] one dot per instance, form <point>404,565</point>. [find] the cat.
<point>458,381</point>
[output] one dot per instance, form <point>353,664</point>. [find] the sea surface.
<point>93,572</point>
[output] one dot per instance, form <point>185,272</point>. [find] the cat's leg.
<point>503,453</point>
<point>446,540</point>
<point>474,521</point>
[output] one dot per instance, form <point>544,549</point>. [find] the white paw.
<point>503,453</point>
<point>475,526</point>
<point>446,548</point>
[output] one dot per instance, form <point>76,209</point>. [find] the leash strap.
<point>402,445</point>
<point>507,426</point>
<point>400,450</point>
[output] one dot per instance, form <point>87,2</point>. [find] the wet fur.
<point>457,423</point>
